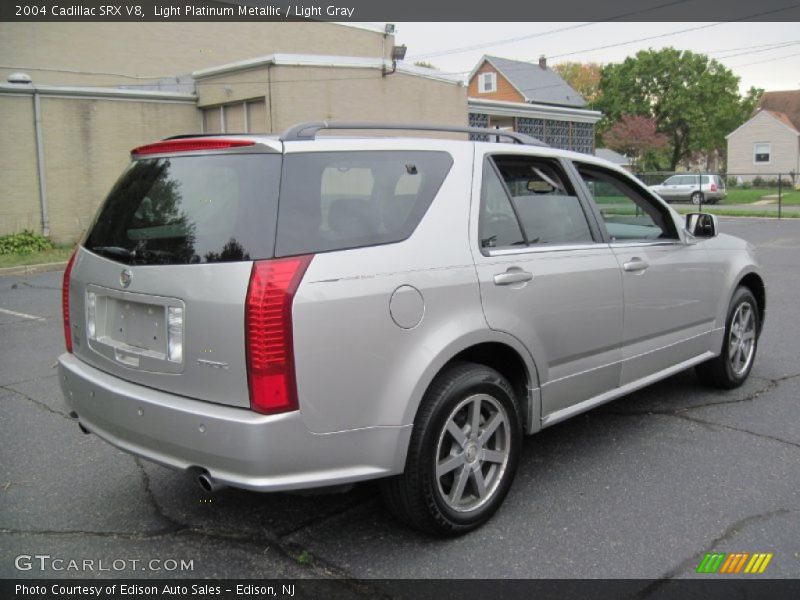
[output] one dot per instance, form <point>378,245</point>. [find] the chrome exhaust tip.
<point>209,484</point>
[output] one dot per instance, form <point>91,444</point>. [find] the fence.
<point>742,191</point>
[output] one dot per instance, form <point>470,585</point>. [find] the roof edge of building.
<point>506,108</point>
<point>95,92</point>
<point>323,60</point>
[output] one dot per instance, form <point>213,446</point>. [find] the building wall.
<point>19,184</point>
<point>785,148</point>
<point>505,91</point>
<point>62,53</point>
<point>87,143</point>
<point>295,94</point>
<point>362,94</point>
<point>226,88</point>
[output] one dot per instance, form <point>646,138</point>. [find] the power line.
<point>654,37</point>
<point>760,62</point>
<point>775,47</point>
<point>644,39</point>
<point>746,47</point>
<point>499,42</point>
<point>540,34</point>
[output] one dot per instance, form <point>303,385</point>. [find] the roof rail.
<point>308,131</point>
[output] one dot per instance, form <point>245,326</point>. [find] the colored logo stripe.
<point>711,563</point>
<point>721,562</point>
<point>758,563</point>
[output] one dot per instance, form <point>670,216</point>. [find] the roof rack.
<point>308,131</point>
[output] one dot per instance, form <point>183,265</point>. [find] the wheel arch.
<point>753,282</point>
<point>497,350</point>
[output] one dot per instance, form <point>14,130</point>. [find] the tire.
<point>742,328</point>
<point>697,198</point>
<point>450,500</point>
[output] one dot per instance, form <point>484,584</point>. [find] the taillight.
<point>65,302</point>
<point>268,332</point>
<point>190,145</point>
<point>713,187</point>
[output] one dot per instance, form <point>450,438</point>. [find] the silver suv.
<point>694,188</point>
<point>277,313</point>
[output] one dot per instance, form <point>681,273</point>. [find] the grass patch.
<point>57,254</point>
<point>748,196</point>
<point>734,212</point>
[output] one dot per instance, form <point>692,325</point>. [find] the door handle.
<point>512,276</point>
<point>635,264</point>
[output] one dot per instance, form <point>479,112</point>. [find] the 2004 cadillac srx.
<point>278,313</point>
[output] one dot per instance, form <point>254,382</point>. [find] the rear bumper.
<point>236,446</point>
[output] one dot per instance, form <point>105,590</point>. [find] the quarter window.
<point>338,200</point>
<point>761,153</point>
<point>628,214</point>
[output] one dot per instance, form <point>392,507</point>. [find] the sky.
<point>765,55</point>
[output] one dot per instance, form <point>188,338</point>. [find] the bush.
<point>24,242</point>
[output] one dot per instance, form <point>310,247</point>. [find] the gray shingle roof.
<point>536,84</point>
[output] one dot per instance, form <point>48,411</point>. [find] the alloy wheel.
<point>472,453</point>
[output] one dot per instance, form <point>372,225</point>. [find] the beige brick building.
<point>99,90</point>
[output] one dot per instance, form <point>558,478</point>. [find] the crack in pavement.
<point>32,379</point>
<point>680,412</point>
<point>325,517</point>
<point>692,561</point>
<point>287,549</point>
<point>14,286</point>
<point>174,525</point>
<point>739,429</point>
<point>38,403</point>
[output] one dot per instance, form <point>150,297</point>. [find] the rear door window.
<point>190,209</point>
<point>340,200</point>
<point>529,201</point>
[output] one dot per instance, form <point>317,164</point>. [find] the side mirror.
<point>702,225</point>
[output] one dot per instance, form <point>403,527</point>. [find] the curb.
<point>30,269</point>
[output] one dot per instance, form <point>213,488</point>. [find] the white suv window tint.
<point>628,213</point>
<point>544,201</point>
<point>339,200</point>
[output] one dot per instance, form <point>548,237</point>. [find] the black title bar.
<point>377,11</point>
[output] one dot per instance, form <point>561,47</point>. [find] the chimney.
<point>542,62</point>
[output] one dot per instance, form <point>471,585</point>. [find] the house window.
<point>761,153</point>
<point>487,82</point>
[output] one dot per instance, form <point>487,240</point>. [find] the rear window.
<point>190,209</point>
<point>339,200</point>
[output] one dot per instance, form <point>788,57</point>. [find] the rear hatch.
<point>161,277</point>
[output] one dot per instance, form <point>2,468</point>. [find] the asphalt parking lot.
<point>640,488</point>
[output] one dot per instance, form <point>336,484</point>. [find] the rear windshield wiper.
<point>115,252</point>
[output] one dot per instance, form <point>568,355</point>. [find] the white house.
<point>768,144</point>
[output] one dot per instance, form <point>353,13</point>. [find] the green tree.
<point>694,100</point>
